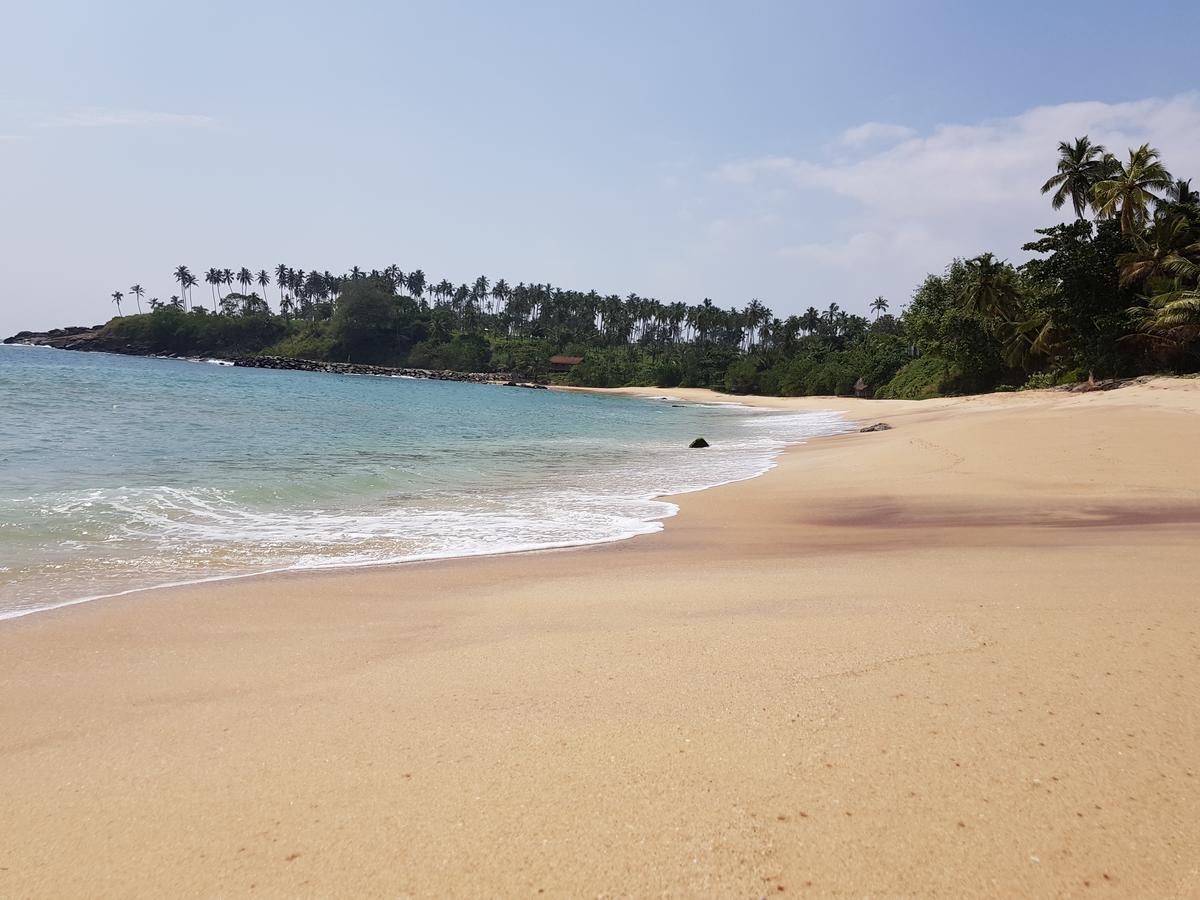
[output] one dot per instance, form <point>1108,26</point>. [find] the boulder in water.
<point>697,444</point>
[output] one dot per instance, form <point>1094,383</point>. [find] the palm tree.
<point>831,317</point>
<point>281,272</point>
<point>137,292</point>
<point>1081,166</point>
<point>263,280</point>
<point>1169,248</point>
<point>991,289</point>
<point>245,278</point>
<point>416,283</point>
<point>479,290</point>
<point>213,277</point>
<point>879,305</point>
<point>1172,316</point>
<point>117,295</point>
<point>1181,192</point>
<point>1179,199</point>
<point>811,320</point>
<point>500,294</point>
<point>227,278</point>
<point>183,275</point>
<point>1129,189</point>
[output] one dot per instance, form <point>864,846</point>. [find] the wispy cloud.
<point>876,133</point>
<point>99,117</point>
<point>899,210</point>
<point>992,164</point>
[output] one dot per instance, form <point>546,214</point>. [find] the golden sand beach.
<point>959,658</point>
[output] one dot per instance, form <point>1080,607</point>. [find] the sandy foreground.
<point>958,658</point>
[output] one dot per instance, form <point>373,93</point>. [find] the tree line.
<point>1113,292</point>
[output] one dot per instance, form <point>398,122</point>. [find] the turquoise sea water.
<point>120,473</point>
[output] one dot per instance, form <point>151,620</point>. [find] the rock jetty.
<point>95,339</point>
<point>336,368</point>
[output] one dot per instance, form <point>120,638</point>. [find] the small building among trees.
<point>564,363</point>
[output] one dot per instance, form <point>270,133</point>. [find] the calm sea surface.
<point>120,473</point>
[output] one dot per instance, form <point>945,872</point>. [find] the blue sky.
<point>798,153</point>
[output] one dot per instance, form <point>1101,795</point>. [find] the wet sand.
<point>960,657</point>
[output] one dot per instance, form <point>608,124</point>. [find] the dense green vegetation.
<point>1114,292</point>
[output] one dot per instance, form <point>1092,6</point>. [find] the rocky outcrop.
<point>78,337</point>
<point>878,426</point>
<point>81,337</point>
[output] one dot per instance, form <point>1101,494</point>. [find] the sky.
<point>794,152</point>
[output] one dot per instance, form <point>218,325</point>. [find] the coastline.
<point>649,524</point>
<point>950,657</point>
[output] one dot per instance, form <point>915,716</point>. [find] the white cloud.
<point>900,211</point>
<point>875,133</point>
<point>117,118</point>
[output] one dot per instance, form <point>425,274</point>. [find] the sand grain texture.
<point>958,658</point>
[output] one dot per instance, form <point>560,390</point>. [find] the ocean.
<point>123,473</point>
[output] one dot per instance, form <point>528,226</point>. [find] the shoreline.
<point>649,394</point>
<point>957,657</point>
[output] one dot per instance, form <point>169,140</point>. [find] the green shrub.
<point>309,341</point>
<point>1039,381</point>
<point>462,353</point>
<point>742,376</point>
<point>920,379</point>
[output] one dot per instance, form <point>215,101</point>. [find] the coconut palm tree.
<point>1129,190</point>
<point>1180,199</point>
<point>213,278</point>
<point>183,275</point>
<point>1172,316</point>
<point>137,292</point>
<point>245,278</point>
<point>830,317</point>
<point>811,320</point>
<point>479,290</point>
<point>500,294</point>
<point>281,272</point>
<point>263,280</point>
<point>878,306</point>
<point>1170,247</point>
<point>117,297</point>
<point>991,287</point>
<point>416,283</point>
<point>1081,166</point>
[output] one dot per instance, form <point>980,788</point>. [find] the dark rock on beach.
<point>878,426</point>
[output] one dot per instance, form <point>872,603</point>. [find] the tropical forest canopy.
<point>1114,292</point>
